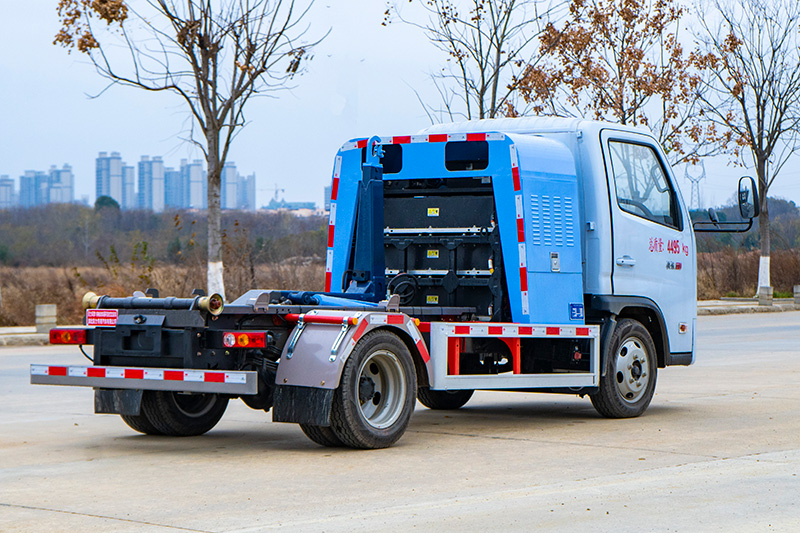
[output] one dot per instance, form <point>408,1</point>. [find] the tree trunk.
<point>215,280</point>
<point>763,228</point>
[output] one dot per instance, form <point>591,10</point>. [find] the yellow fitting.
<point>212,304</point>
<point>90,300</point>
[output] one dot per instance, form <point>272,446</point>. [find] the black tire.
<point>322,435</point>
<point>183,415</point>
<point>443,399</point>
<point>630,380</point>
<point>376,395</point>
<point>141,424</point>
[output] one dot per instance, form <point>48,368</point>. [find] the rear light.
<point>241,339</point>
<point>67,336</point>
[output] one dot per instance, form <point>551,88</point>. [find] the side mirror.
<point>749,206</point>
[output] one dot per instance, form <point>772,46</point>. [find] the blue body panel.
<point>552,225</point>
<point>546,198</point>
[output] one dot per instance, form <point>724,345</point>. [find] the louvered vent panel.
<point>552,221</point>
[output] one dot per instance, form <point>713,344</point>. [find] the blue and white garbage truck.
<point>537,255</point>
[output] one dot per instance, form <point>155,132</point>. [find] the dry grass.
<point>735,273</point>
<point>22,288</point>
<point>725,273</point>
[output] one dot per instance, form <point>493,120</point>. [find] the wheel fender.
<point>312,361</point>
<point>318,354</point>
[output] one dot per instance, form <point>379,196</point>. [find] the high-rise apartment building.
<point>173,188</point>
<point>109,176</point>
<point>247,192</point>
<point>237,191</point>
<point>129,198</point>
<point>8,197</point>
<point>152,192</point>
<point>194,184</point>
<point>61,185</point>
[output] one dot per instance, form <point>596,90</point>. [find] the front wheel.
<point>376,395</point>
<point>182,415</point>
<point>630,381</point>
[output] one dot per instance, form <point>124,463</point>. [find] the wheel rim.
<point>194,405</point>
<point>381,389</point>
<point>632,370</point>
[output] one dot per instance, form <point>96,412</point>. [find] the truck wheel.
<point>141,424</point>
<point>376,395</point>
<point>443,399</point>
<point>630,380</point>
<point>322,435</point>
<point>183,415</point>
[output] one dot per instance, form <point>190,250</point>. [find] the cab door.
<point>652,240</point>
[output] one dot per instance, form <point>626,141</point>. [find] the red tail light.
<point>67,336</point>
<point>242,339</point>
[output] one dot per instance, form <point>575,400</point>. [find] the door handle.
<point>626,260</point>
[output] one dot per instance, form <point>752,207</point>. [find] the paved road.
<point>718,450</point>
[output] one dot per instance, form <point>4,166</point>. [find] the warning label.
<point>101,317</point>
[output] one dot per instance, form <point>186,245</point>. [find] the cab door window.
<point>642,185</point>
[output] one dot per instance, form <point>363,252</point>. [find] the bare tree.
<point>622,60</point>
<point>486,44</point>
<point>214,55</point>
<point>754,56</point>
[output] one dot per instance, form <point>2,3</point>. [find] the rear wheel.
<point>182,415</point>
<point>376,395</point>
<point>443,399</point>
<point>322,435</point>
<point>630,381</point>
<point>141,424</point>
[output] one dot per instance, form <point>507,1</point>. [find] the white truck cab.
<point>638,246</point>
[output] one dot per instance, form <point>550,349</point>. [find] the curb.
<point>734,310</point>
<point>25,339</point>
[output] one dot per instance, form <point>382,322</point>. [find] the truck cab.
<point>638,247</point>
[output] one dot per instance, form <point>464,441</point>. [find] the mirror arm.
<point>721,227</point>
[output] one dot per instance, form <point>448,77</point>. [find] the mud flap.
<point>118,401</point>
<point>302,405</point>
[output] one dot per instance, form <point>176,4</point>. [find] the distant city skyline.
<point>148,185</point>
<point>37,187</point>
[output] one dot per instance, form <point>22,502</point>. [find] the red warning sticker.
<point>101,317</point>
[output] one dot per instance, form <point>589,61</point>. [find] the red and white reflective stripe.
<point>155,374</point>
<point>362,327</point>
<point>411,327</point>
<point>431,138</point>
<point>393,320</point>
<point>331,224</point>
<point>515,330</point>
<point>387,319</point>
<point>518,206</point>
<point>337,169</point>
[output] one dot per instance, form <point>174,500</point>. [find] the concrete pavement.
<point>718,450</point>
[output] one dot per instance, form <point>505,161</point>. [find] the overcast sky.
<point>360,83</point>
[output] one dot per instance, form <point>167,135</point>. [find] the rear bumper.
<point>170,379</point>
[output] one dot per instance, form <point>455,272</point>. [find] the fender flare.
<point>612,307</point>
<point>313,359</point>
